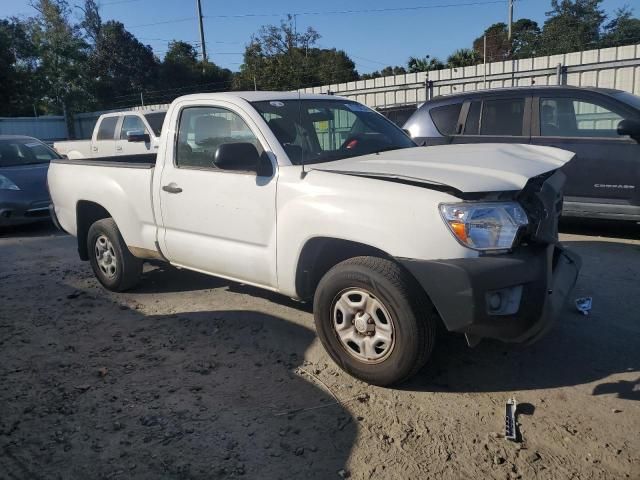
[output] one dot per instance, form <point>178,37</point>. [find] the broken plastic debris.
<point>511,428</point>
<point>583,304</point>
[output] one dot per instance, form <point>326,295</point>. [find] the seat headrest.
<point>284,130</point>
<point>208,126</point>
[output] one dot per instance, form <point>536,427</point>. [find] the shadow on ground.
<point>38,229</point>
<point>195,395</point>
<point>606,228</point>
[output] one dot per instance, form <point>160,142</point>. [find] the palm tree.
<point>415,64</point>
<point>463,57</point>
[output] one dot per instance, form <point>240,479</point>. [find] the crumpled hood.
<point>487,167</point>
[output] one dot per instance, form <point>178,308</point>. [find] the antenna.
<point>304,172</point>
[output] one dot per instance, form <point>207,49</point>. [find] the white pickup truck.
<point>320,198</point>
<point>118,134</point>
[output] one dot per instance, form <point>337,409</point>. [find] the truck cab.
<point>118,133</point>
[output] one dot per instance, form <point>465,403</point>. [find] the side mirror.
<point>237,156</point>
<point>407,132</point>
<point>631,128</point>
<point>138,136</point>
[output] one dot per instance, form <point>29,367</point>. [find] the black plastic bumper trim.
<point>458,289</point>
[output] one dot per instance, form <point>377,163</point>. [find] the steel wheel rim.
<point>363,325</point>
<point>106,257</point>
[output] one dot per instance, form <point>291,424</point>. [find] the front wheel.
<point>113,264</point>
<point>374,320</point>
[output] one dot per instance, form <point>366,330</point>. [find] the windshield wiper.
<point>386,149</point>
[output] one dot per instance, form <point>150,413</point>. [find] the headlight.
<point>484,226</point>
<point>6,184</point>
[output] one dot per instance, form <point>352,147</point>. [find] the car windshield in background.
<point>629,99</point>
<point>325,130</point>
<point>155,119</point>
<point>15,152</point>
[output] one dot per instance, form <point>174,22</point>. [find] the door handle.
<point>95,149</point>
<point>118,148</point>
<point>172,188</point>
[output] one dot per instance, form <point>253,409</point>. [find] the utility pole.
<point>510,17</point>
<point>484,59</point>
<point>202,44</point>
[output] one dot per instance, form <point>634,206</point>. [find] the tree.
<point>280,58</point>
<point>20,85</point>
<point>525,36</point>
<point>180,65</point>
<point>121,67</point>
<point>91,23</point>
<point>415,64</point>
<point>572,25</point>
<point>385,72</point>
<point>182,72</point>
<point>463,57</point>
<point>622,30</point>
<point>498,45</point>
<point>525,41</point>
<point>62,58</point>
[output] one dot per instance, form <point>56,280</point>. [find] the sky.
<point>373,39</point>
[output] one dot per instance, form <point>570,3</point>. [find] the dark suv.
<point>601,126</point>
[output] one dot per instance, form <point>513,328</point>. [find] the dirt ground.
<point>190,376</point>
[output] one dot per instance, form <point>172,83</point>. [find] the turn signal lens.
<point>460,231</point>
<point>484,225</point>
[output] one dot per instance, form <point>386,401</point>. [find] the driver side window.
<point>201,130</point>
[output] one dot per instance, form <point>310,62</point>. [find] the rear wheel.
<point>113,264</point>
<point>374,320</point>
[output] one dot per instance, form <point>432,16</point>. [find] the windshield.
<point>155,120</point>
<point>629,99</point>
<point>24,151</point>
<point>325,130</point>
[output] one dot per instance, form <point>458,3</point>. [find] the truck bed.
<point>121,185</point>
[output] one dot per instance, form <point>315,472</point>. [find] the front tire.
<point>374,320</point>
<point>113,264</point>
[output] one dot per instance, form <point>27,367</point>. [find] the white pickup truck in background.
<point>321,198</point>
<point>118,133</point>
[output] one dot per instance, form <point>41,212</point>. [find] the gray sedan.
<point>24,162</point>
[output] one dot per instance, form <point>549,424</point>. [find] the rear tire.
<point>113,264</point>
<point>374,320</point>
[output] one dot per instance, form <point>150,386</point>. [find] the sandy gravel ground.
<point>193,377</point>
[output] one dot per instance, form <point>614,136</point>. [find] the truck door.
<point>222,222</point>
<point>132,123</point>
<point>604,175</point>
<point>103,144</point>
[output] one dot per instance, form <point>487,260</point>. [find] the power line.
<point>327,12</point>
<point>356,11</point>
<point>164,22</point>
<point>118,2</point>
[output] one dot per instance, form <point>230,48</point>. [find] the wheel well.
<point>87,213</point>
<point>320,254</point>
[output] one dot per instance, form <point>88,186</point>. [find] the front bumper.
<point>22,212</point>
<point>533,284</point>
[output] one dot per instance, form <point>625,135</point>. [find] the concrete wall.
<point>617,67</point>
<point>46,128</point>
